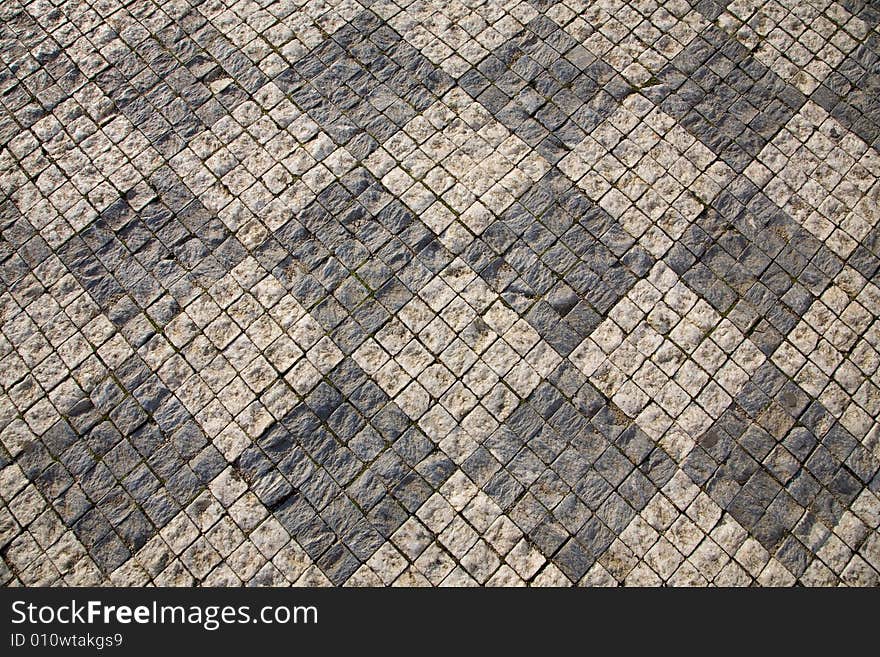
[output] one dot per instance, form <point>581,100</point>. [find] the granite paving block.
<point>372,293</point>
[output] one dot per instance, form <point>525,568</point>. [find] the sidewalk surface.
<point>439,293</point>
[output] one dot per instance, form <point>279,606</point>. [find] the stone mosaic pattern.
<point>354,292</point>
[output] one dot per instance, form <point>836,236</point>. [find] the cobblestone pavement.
<point>439,293</point>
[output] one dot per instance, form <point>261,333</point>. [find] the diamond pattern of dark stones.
<point>440,293</point>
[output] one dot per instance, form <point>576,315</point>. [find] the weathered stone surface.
<point>538,293</point>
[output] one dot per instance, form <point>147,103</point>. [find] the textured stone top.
<point>439,293</point>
